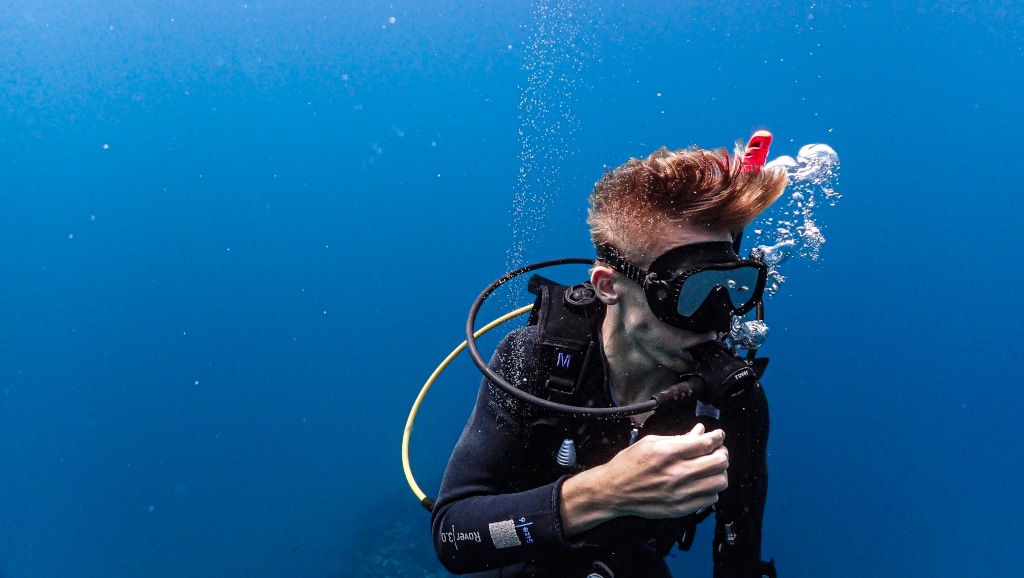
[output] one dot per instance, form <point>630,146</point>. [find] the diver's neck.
<point>634,378</point>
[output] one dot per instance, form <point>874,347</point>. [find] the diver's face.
<point>653,342</point>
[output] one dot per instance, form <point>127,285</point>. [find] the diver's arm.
<point>657,477</point>
<point>480,520</point>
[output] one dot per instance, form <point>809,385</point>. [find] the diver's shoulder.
<point>519,342</point>
<point>514,358</point>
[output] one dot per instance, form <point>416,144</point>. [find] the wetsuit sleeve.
<point>740,509</point>
<point>481,519</point>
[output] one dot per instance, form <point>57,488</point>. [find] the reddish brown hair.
<point>633,206</point>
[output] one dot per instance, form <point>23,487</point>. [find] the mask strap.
<point>617,261</point>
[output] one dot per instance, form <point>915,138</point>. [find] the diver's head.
<point>666,267</point>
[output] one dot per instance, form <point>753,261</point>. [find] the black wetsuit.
<point>497,513</point>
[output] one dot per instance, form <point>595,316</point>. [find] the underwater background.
<point>236,237</point>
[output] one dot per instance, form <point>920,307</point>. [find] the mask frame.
<point>719,295</point>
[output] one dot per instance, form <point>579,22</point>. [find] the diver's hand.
<point>657,477</point>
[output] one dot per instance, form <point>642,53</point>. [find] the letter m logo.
<point>564,360</point>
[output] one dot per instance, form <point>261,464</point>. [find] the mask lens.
<point>740,282</point>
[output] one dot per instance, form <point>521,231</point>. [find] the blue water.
<point>236,237</point>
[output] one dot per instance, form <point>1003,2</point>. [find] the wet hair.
<point>636,204</point>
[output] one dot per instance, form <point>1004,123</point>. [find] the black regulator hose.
<point>572,410</point>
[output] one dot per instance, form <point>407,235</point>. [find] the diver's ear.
<point>603,280</point>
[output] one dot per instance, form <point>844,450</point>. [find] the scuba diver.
<point>622,416</point>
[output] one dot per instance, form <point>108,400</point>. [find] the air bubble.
<point>554,61</point>
<point>813,176</point>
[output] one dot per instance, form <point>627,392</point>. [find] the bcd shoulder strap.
<point>565,346</point>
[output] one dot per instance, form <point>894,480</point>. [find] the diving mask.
<point>696,287</point>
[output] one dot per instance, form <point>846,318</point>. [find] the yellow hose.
<point>427,502</point>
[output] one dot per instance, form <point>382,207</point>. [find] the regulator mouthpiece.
<point>726,377</point>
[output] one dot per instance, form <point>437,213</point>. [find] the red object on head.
<point>756,153</point>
